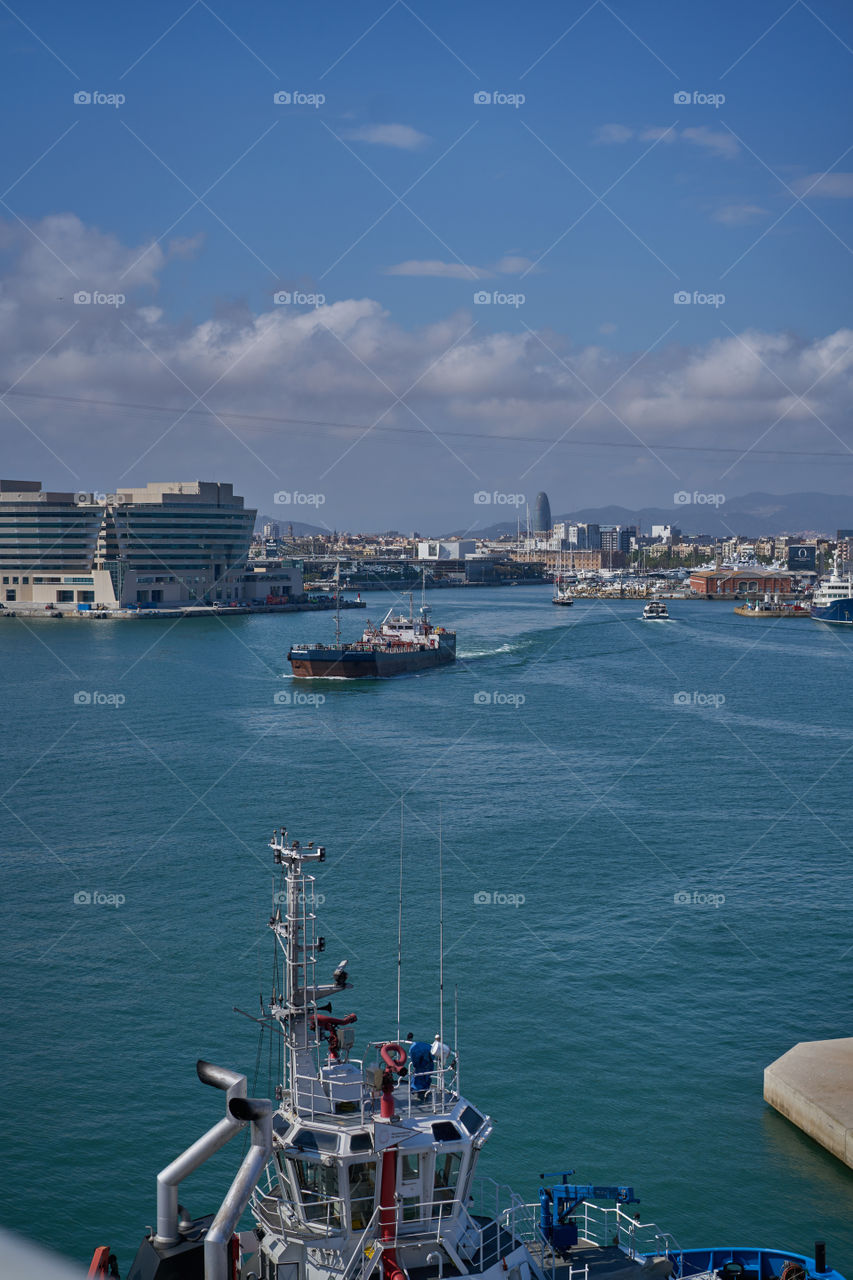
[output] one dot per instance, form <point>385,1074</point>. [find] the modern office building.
<point>542,514</point>
<point>179,542</point>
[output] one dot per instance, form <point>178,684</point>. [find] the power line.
<point>492,438</point>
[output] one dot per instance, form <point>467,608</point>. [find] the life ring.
<point>394,1056</point>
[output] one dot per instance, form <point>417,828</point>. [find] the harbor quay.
<point>811,1086</point>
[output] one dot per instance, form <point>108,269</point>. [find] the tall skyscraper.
<point>542,514</point>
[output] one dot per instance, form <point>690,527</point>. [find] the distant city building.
<point>446,549</point>
<point>666,533</point>
<point>573,559</point>
<point>802,556</point>
<point>169,543</point>
<point>542,514</point>
<point>725,583</point>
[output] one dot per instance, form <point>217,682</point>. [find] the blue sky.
<point>580,212</point>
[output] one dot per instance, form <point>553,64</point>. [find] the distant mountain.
<point>750,515</point>
<point>300,530</point>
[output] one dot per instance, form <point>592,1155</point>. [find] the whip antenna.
<point>456,1033</point>
<point>400,923</point>
<point>441,954</point>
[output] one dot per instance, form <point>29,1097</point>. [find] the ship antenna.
<point>441,954</point>
<point>338,603</point>
<point>456,1034</point>
<point>400,924</point>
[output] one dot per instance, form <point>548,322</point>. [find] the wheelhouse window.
<point>362,1193</point>
<point>318,1187</point>
<point>410,1185</point>
<point>447,1166</point>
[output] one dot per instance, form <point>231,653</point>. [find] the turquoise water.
<point>606,1027</point>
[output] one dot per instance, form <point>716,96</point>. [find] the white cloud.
<point>837,186</point>
<point>402,136</point>
<point>336,365</point>
<point>718,141</point>
<point>509,265</point>
<point>441,270</point>
<point>608,134</point>
<point>736,215</point>
<point>513,265</point>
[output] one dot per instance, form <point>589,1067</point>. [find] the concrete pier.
<point>812,1085</point>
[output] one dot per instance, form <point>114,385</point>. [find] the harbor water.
<point>647,894</point>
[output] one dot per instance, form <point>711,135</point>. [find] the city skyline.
<point>344,257</point>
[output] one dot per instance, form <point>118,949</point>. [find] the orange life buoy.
<point>393,1055</point>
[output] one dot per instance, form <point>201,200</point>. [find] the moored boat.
<point>833,598</point>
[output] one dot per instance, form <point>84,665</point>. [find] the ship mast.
<point>296,1008</point>
<point>338,603</point>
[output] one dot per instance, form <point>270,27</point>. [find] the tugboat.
<point>656,611</point>
<point>368,1167</point>
<point>400,645</point>
<point>833,599</point>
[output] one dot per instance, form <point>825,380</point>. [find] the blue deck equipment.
<point>558,1202</point>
